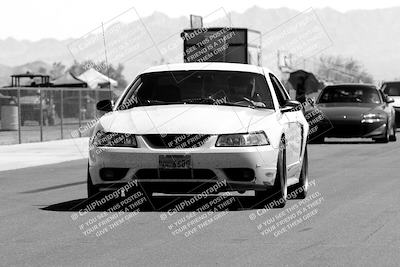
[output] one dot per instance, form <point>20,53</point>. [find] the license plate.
<point>175,162</point>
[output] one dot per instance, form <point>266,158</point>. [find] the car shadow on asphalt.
<point>350,143</point>
<point>163,203</point>
<point>53,187</point>
<point>345,142</point>
<point>158,203</point>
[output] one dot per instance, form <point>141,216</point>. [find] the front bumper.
<point>356,129</point>
<point>142,166</point>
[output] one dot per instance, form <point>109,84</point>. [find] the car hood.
<point>350,110</point>
<point>187,119</point>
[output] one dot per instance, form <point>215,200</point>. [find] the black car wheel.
<point>276,197</point>
<point>301,188</point>
<point>392,136</point>
<point>384,139</point>
<point>92,190</point>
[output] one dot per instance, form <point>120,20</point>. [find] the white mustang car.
<point>183,128</point>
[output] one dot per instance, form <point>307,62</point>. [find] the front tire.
<point>276,197</point>
<point>384,139</point>
<point>392,136</point>
<point>92,190</point>
<point>302,186</point>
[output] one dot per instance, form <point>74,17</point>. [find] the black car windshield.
<point>392,89</point>
<point>199,87</point>
<point>350,94</point>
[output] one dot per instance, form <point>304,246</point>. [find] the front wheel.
<point>300,189</point>
<point>92,190</point>
<point>384,139</point>
<point>276,197</point>
<point>392,136</point>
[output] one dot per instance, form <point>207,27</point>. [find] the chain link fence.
<point>43,114</point>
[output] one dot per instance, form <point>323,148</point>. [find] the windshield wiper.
<point>200,100</point>
<point>236,105</point>
<point>212,101</point>
<point>149,102</point>
<point>208,100</point>
<point>257,104</point>
<point>253,104</point>
<point>153,102</point>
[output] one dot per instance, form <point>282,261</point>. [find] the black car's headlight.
<point>373,117</point>
<point>109,139</point>
<point>247,139</point>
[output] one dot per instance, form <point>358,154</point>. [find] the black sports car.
<point>352,110</point>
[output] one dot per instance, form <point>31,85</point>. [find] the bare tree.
<point>339,69</point>
<point>57,70</point>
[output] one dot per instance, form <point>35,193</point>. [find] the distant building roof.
<point>69,80</point>
<point>29,75</point>
<point>93,78</point>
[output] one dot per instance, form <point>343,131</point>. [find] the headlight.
<point>248,139</point>
<point>373,117</point>
<point>109,139</point>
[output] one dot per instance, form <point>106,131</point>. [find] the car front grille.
<point>176,140</point>
<point>346,129</point>
<point>202,174</point>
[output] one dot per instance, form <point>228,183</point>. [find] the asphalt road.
<point>352,217</point>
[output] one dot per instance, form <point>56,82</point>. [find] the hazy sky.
<point>61,19</point>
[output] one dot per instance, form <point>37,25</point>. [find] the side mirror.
<point>291,105</point>
<point>104,105</point>
<point>389,99</point>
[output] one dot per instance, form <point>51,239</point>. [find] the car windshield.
<point>392,89</point>
<point>199,87</point>
<point>350,94</point>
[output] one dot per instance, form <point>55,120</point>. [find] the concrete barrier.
<point>9,118</point>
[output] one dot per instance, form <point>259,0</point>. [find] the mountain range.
<point>369,36</point>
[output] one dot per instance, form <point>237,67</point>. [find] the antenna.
<point>108,68</point>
